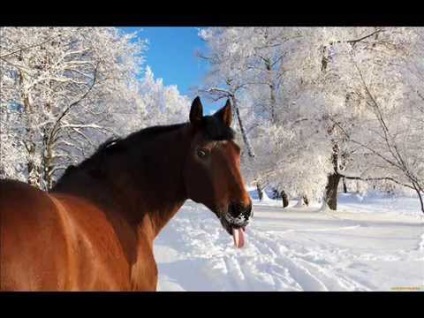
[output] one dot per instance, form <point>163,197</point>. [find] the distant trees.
<point>321,104</point>
<point>162,104</point>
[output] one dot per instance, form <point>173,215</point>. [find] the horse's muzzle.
<point>236,217</point>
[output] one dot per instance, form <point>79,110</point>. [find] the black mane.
<point>119,145</point>
<point>212,129</point>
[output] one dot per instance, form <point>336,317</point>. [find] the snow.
<point>372,243</point>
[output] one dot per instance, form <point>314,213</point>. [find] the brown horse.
<point>95,229</point>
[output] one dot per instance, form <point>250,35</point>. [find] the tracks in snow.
<point>279,255</point>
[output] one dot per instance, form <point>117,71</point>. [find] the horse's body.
<point>61,242</point>
<point>95,229</point>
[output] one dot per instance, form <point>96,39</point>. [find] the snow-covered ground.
<point>372,243</point>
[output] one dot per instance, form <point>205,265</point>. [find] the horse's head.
<point>212,170</point>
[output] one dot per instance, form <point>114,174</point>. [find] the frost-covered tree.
<point>394,118</point>
<point>66,88</point>
<point>248,62</point>
<point>363,79</point>
<point>316,102</point>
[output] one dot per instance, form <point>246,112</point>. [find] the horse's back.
<point>32,240</point>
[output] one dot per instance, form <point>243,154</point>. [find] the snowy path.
<point>292,250</point>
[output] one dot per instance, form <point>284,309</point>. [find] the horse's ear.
<point>196,111</point>
<point>225,113</point>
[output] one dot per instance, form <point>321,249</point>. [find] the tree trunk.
<point>48,167</point>
<point>272,98</point>
<point>421,202</point>
<point>273,104</point>
<point>420,197</point>
<point>246,141</point>
<point>260,191</point>
<point>33,171</point>
<point>333,180</point>
<point>47,153</point>
<point>32,168</point>
<point>285,198</point>
<point>47,162</point>
<point>331,190</point>
<point>344,185</point>
<point>305,200</point>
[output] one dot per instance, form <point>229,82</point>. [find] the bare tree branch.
<point>27,47</point>
<point>365,37</point>
<point>379,179</point>
<point>71,105</point>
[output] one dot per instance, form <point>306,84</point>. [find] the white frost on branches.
<point>64,90</point>
<point>321,102</point>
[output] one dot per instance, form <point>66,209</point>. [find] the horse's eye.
<point>202,153</point>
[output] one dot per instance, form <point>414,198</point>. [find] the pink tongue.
<point>238,236</point>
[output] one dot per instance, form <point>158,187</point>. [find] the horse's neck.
<point>146,188</point>
<point>160,183</point>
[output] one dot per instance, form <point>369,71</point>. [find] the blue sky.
<point>171,55</point>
